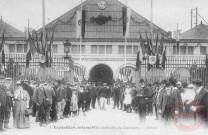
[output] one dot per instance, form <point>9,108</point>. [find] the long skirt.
<point>74,106</point>
<point>20,121</point>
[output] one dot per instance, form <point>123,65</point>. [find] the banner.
<point>78,23</point>
<point>128,21</point>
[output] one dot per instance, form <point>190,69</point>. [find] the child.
<point>74,105</point>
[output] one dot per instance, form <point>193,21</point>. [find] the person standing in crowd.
<point>142,100</point>
<point>127,98</point>
<point>9,89</point>
<point>82,99</point>
<point>61,100</point>
<point>33,85</point>
<point>93,94</point>
<point>21,98</point>
<point>67,110</point>
<point>133,96</point>
<point>49,96</point>
<point>98,91</point>
<point>26,86</point>
<point>150,99</point>
<point>115,95</point>
<point>39,98</point>
<point>200,103</point>
<point>89,90</point>
<point>74,103</point>
<point>53,112</point>
<point>158,98</point>
<point>103,94</point>
<point>121,95</point>
<point>3,98</point>
<point>169,102</point>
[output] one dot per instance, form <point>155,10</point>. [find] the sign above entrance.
<point>102,4</point>
<point>62,68</point>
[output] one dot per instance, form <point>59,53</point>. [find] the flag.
<point>124,16</point>
<point>28,58</point>
<point>128,21</point>
<point>2,49</point>
<point>164,58</point>
<point>157,61</point>
<point>150,52</point>
<point>139,59</point>
<point>50,49</point>
<point>79,23</point>
<point>83,23</point>
<point>156,46</point>
<point>37,43</point>
<point>47,59</point>
<point>160,48</point>
<point>142,46</point>
<point>32,44</point>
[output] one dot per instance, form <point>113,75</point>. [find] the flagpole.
<point>152,21</point>
<point>125,38</point>
<point>43,42</point>
<point>80,44</point>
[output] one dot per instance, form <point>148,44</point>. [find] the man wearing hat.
<point>93,94</point>
<point>103,94</point>
<point>67,111</point>
<point>115,96</point>
<point>200,104</point>
<point>39,98</point>
<point>3,97</point>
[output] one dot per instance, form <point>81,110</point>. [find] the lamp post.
<point>67,47</point>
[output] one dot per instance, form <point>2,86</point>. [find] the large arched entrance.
<point>101,73</point>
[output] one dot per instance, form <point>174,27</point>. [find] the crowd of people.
<point>50,101</point>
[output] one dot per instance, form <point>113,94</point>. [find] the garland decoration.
<point>101,19</point>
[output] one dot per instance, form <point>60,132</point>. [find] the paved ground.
<point>111,121</point>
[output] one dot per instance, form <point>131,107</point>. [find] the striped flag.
<point>128,21</point>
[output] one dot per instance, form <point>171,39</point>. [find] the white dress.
<point>127,96</point>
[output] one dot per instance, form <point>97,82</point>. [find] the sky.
<point>166,13</point>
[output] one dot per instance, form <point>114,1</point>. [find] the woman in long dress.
<point>127,98</point>
<point>21,98</point>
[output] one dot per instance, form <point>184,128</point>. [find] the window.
<point>12,48</point>
<point>74,49</point>
<point>94,49</point>
<point>135,49</point>
<point>183,50</point>
<point>101,49</point>
<point>25,48</point>
<point>128,50</point>
<point>121,50</point>
<point>109,49</point>
<point>174,50</point>
<point>19,48</point>
<point>190,50</point>
<point>55,48</point>
<point>83,49</point>
<point>203,50</point>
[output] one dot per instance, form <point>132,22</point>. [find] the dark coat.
<point>68,94</point>
<point>104,92</point>
<point>28,89</point>
<point>93,91</point>
<point>142,95</point>
<point>60,94</point>
<point>172,99</point>
<point>2,97</point>
<point>201,102</point>
<point>39,96</point>
<point>49,93</point>
<point>115,93</point>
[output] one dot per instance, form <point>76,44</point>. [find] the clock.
<point>102,4</point>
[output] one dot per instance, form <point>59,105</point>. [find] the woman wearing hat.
<point>21,98</point>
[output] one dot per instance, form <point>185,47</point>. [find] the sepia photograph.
<point>103,67</point>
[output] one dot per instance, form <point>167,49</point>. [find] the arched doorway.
<point>101,73</point>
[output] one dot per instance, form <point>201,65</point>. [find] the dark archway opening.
<point>101,73</point>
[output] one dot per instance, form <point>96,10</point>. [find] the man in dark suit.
<point>200,104</point>
<point>93,94</point>
<point>2,103</point>
<point>68,98</point>
<point>49,95</point>
<point>115,95</point>
<point>142,100</point>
